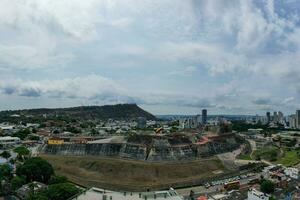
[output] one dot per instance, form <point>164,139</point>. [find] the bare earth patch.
<point>114,173</point>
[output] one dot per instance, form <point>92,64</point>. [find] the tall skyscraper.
<point>268,117</point>
<point>298,119</point>
<point>204,116</point>
<point>275,117</point>
<point>292,121</point>
<point>280,117</point>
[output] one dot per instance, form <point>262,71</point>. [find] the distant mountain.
<point>118,111</point>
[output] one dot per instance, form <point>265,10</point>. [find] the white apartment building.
<point>254,194</point>
<point>9,141</point>
<point>190,122</point>
<point>292,121</point>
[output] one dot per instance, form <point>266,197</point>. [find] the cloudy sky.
<point>169,56</point>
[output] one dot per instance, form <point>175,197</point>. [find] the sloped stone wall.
<point>157,150</point>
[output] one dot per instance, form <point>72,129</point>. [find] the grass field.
<point>289,158</point>
<point>270,153</point>
<point>131,175</point>
<point>244,157</point>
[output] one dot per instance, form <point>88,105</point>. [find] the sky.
<point>168,56</point>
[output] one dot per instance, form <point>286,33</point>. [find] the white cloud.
<point>95,88</point>
<point>89,87</point>
<point>186,71</point>
<point>254,46</point>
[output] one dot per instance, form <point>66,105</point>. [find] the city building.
<point>268,117</point>
<point>101,194</point>
<point>55,141</point>
<point>292,122</point>
<point>280,117</point>
<point>9,141</point>
<point>254,194</point>
<point>298,119</point>
<point>189,122</point>
<point>275,117</point>
<point>199,119</point>
<point>204,116</point>
<point>7,128</point>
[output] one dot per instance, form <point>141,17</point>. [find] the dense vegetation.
<point>289,157</point>
<point>270,153</point>
<point>119,111</point>
<point>241,126</point>
<point>36,169</point>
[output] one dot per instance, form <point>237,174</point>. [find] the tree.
<point>61,191</point>
<point>22,152</point>
<point>36,169</point>
<point>5,154</point>
<point>94,132</point>
<point>17,182</point>
<point>5,172</point>
<point>33,137</point>
<point>37,196</point>
<point>22,134</point>
<point>267,186</point>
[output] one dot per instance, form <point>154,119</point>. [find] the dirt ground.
<point>114,173</point>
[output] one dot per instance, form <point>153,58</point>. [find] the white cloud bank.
<point>250,49</point>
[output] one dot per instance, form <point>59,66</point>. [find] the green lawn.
<point>244,157</point>
<point>289,158</point>
<point>269,153</point>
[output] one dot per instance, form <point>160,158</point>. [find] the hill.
<point>118,111</point>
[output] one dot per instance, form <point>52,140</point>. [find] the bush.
<point>57,179</point>
<point>17,182</point>
<point>61,191</point>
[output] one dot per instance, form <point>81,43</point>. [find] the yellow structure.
<point>158,130</point>
<point>55,141</point>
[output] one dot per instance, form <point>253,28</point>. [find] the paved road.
<point>229,158</point>
<point>213,189</point>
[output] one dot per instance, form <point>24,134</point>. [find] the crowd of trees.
<point>35,170</point>
<point>242,126</point>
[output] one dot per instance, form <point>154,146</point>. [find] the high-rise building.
<point>281,118</point>
<point>268,117</point>
<point>275,117</point>
<point>204,116</point>
<point>292,122</point>
<point>298,119</point>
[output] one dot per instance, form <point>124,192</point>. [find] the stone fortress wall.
<point>150,148</point>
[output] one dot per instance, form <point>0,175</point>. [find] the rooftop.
<point>101,194</point>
